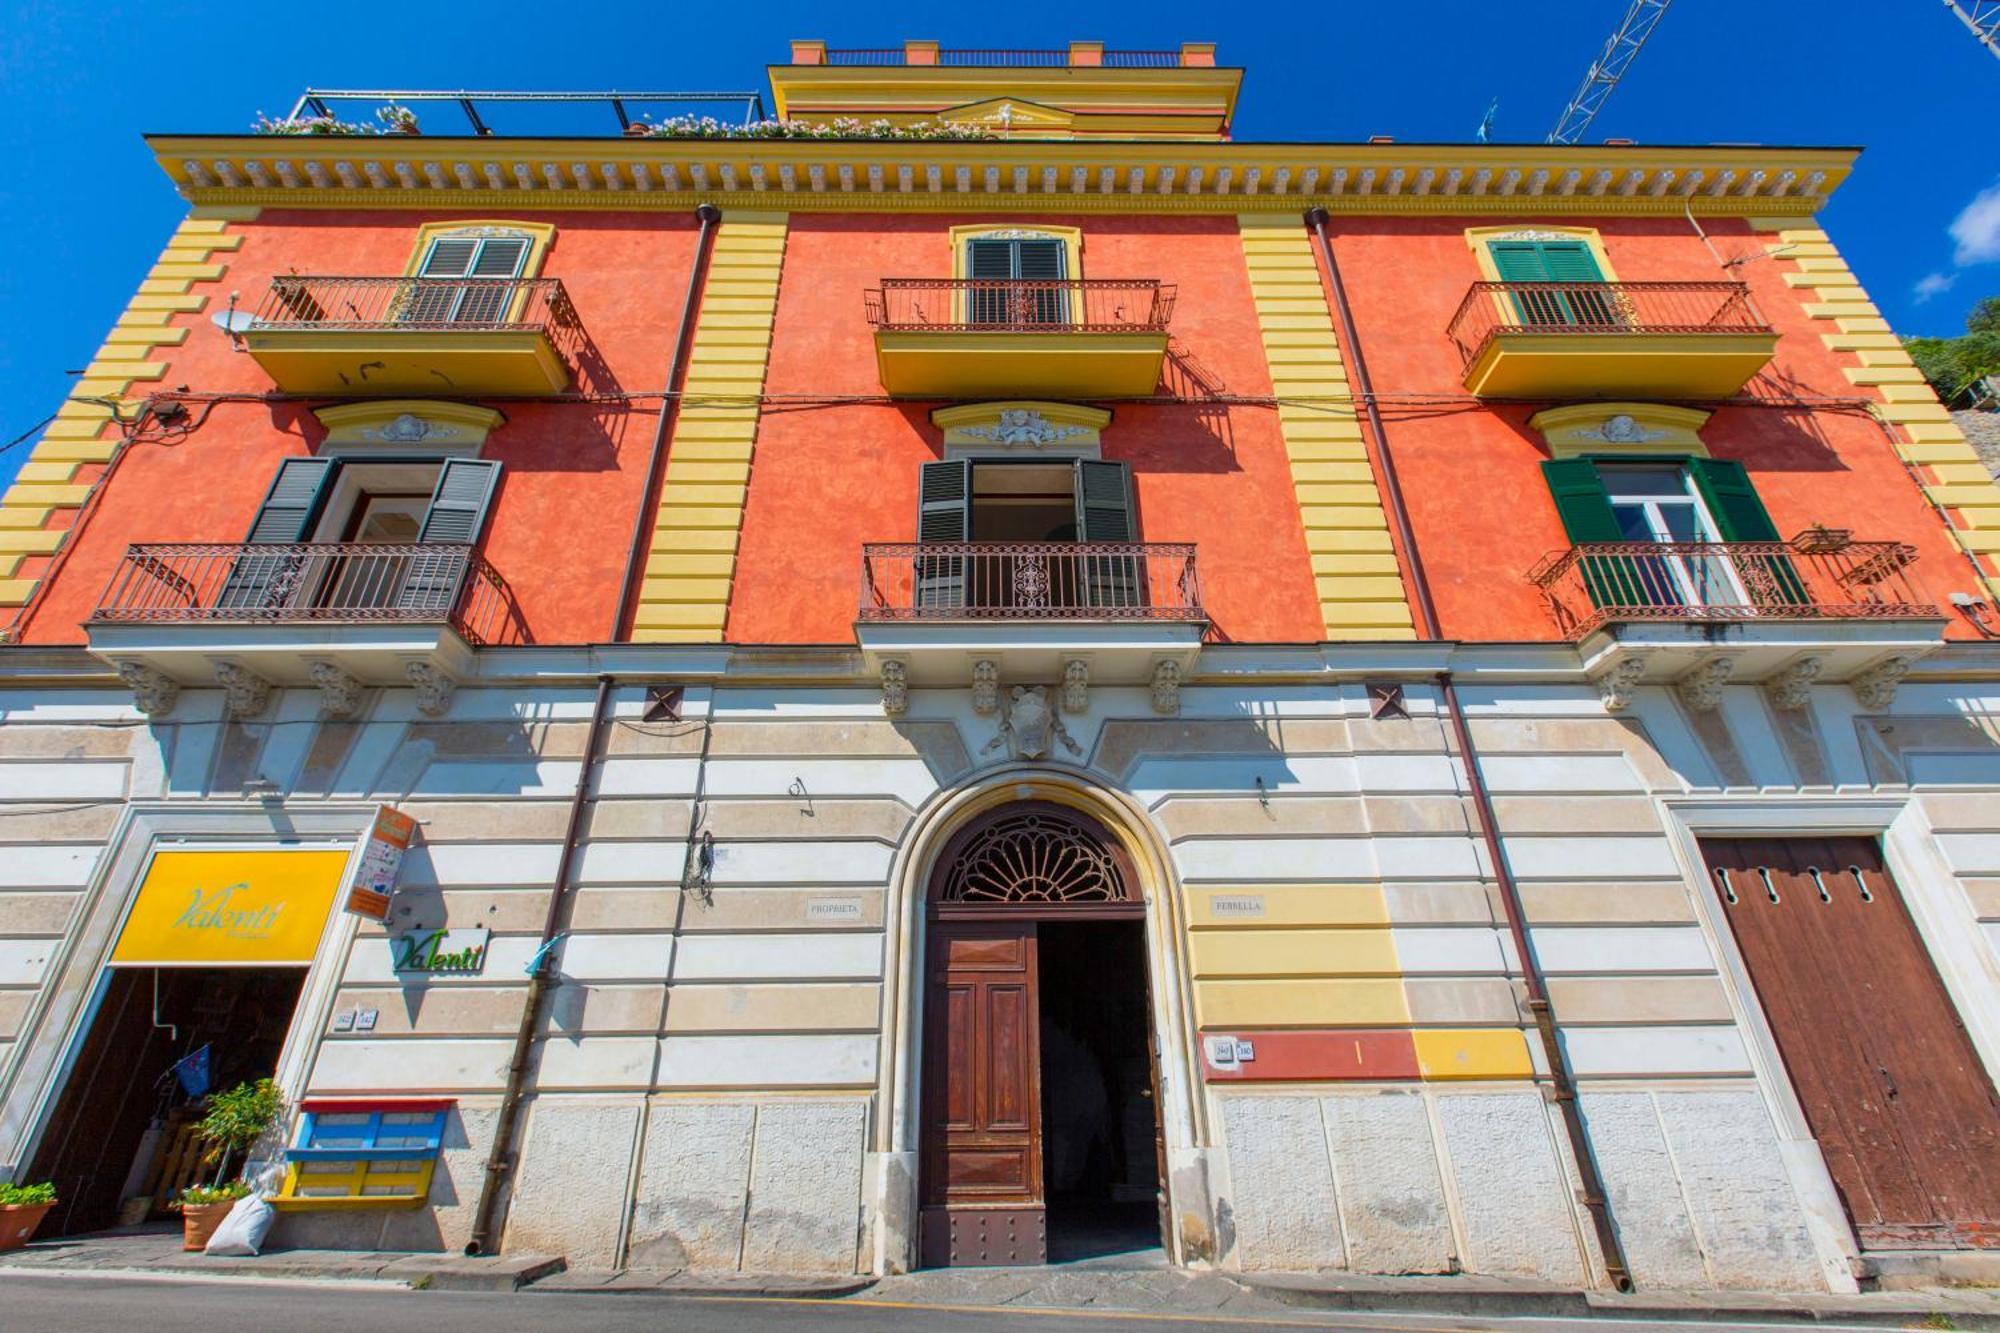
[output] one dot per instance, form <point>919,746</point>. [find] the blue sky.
<point>81,80</point>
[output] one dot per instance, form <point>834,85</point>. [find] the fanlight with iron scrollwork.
<point>1039,856</point>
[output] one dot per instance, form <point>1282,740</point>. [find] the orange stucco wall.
<point>1471,473</point>
<point>570,487</point>
<point>828,478</point>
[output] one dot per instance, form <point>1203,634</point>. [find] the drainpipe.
<point>541,980</point>
<point>642,524</point>
<point>1560,1075</point>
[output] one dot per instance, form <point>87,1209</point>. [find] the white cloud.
<point>1934,284</point>
<point>1977,228</point>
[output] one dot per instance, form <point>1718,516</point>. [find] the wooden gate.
<point>1904,1113</point>
<point>982,1193</point>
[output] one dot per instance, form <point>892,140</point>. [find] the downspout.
<point>541,977</point>
<point>1561,1078</point>
<point>642,523</point>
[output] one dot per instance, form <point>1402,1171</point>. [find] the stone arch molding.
<point>899,1079</point>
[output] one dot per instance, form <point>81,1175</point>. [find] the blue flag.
<point>192,1070</point>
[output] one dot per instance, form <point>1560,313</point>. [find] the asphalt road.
<point>74,1303</point>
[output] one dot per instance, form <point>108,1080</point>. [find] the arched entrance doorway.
<point>1040,1130</point>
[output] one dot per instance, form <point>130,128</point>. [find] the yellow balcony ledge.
<point>1645,340</point>
<point>998,339</point>
<point>405,337</point>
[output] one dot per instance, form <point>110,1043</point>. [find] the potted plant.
<point>232,1124</point>
<point>22,1208</point>
<point>202,1208</point>
<point>397,119</point>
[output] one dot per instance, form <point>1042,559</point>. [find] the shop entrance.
<point>1041,1133</point>
<point>162,1038</point>
<point>198,994</point>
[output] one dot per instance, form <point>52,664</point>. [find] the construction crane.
<point>1610,66</point>
<point>1983,17</point>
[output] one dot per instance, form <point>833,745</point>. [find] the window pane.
<point>1626,479</point>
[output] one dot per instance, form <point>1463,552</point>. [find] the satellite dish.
<point>234,322</point>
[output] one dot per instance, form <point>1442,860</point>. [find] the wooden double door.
<point>1041,1128</point>
<point>1903,1110</point>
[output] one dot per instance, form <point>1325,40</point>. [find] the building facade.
<point>1040,680</point>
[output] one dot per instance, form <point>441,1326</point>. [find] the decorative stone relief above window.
<point>1053,430</point>
<point>1610,428</point>
<point>456,427</point>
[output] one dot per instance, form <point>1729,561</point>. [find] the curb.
<point>1892,1310</point>
<point>626,1283</point>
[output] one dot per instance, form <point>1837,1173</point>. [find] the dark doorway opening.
<point>1100,1126</point>
<point>121,1130</point>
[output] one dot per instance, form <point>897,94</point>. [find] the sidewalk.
<point>1126,1283</point>
<point>157,1250</point>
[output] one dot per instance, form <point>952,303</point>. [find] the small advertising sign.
<point>381,857</point>
<point>452,951</point>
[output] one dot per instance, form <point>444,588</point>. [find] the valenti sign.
<point>231,907</point>
<point>461,950</point>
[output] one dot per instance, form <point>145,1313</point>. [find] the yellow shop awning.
<point>222,908</point>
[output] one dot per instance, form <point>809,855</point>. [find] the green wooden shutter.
<point>267,582</point>
<point>450,257</point>
<point>1740,516</point>
<point>1553,261</point>
<point>1732,501</point>
<point>459,503</point>
<point>944,514</point>
<point>1581,501</point>
<point>1104,514</point>
<point>1585,510</point>
<point>1518,261</point>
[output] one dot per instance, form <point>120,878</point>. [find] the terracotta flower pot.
<point>18,1222</point>
<point>199,1221</point>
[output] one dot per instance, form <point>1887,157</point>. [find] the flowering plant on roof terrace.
<point>308,125</point>
<point>708,127</point>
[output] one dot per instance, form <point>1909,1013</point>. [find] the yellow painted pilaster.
<point>1927,438</point>
<point>48,486</point>
<point>1347,533</point>
<point>685,595</point>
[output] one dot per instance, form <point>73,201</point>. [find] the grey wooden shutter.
<point>944,514</point>
<point>988,261</point>
<point>499,257</point>
<point>265,582</point>
<point>1104,514</point>
<point>458,508</point>
<point>1042,262</point>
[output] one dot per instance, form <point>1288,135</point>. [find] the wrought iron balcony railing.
<point>418,305</point>
<point>1819,575</point>
<point>920,581</point>
<point>1021,305</point>
<point>1491,309</point>
<point>309,583</point>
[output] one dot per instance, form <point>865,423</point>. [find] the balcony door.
<point>491,259</point>
<point>1569,263</point>
<point>1011,267</point>
<point>1658,503</point>
<point>1029,537</point>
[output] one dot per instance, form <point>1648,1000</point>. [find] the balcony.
<point>1677,604</point>
<point>332,614</point>
<point>424,336</point>
<point>1633,340</point>
<point>1030,607</point>
<point>1020,338</point>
